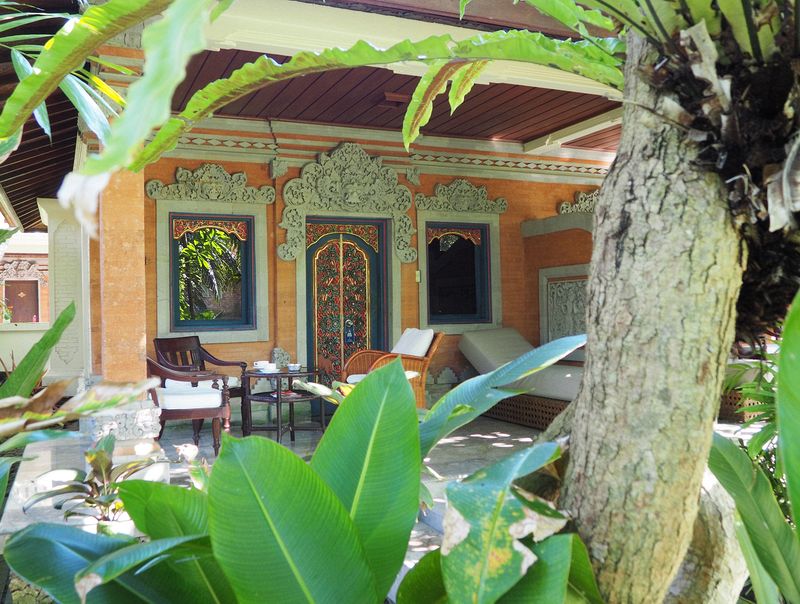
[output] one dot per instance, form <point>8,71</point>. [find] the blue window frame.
<point>459,274</point>
<point>212,281</point>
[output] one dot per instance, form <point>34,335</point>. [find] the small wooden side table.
<point>279,397</point>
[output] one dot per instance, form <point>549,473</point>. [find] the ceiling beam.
<point>294,26</point>
<point>557,138</point>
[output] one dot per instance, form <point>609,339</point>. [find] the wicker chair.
<point>415,365</point>
<point>194,395</point>
<point>185,353</point>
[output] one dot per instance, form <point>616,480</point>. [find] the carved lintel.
<point>22,269</point>
<point>461,196</point>
<point>210,182</point>
<point>278,167</point>
<point>584,203</point>
<point>349,181</point>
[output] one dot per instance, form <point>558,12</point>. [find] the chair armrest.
<point>360,362</point>
<point>409,361</point>
<point>210,358</point>
<point>165,373</point>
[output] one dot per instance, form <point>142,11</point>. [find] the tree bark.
<point>666,271</point>
<point>713,570</point>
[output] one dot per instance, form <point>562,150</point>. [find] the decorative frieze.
<point>461,196</point>
<point>346,181</point>
<point>210,182</point>
<point>22,270</point>
<point>584,203</point>
<point>500,162</point>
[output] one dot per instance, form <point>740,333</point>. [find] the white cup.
<point>294,366</point>
<point>261,364</point>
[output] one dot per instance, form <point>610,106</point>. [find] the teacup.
<point>265,366</point>
<point>294,366</point>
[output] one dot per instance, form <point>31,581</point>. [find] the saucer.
<point>267,370</point>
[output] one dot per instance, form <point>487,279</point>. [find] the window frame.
<point>257,212</point>
<point>248,280</point>
<point>491,222</point>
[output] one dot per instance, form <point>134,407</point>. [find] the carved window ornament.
<point>461,196</point>
<point>210,182</point>
<point>584,203</point>
<point>350,182</point>
<point>22,270</point>
<point>238,228</point>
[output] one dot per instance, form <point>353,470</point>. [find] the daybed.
<point>547,392</point>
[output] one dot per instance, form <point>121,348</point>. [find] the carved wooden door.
<point>23,299</point>
<point>346,294</point>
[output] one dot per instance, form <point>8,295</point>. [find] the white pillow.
<point>414,342</point>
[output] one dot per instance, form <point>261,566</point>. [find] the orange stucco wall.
<point>520,260</point>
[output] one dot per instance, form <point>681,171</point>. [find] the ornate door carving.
<point>346,293</point>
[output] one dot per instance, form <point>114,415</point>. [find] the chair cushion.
<point>357,377</point>
<point>233,382</point>
<point>201,397</point>
<point>488,349</point>
<point>414,342</point>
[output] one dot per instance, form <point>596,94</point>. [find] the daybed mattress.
<point>491,348</point>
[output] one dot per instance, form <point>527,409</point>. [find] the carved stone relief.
<point>566,308</point>
<point>349,181</point>
<point>22,269</point>
<point>210,182</point>
<point>584,203</point>
<point>278,167</point>
<point>461,196</point>
<point>412,174</point>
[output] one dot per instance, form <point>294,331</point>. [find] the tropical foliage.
<point>769,539</point>
<point>209,266</point>
<point>94,493</point>
<point>336,529</point>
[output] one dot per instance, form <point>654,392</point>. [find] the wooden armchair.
<point>185,353</point>
<point>415,365</point>
<point>194,395</point>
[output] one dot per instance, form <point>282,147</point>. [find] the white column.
<point>68,250</point>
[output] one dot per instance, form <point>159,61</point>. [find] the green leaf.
<point>764,587</point>
<point>162,511</point>
<point>430,85</point>
<point>87,106</point>
<point>483,556</point>
<point>6,234</point>
<point>67,51</point>
<point>463,81</point>
<point>300,543</point>
<point>369,456</point>
<point>24,69</point>
<point>581,573</point>
<point>423,584</point>
<point>24,378</point>
<point>9,145</point>
<point>168,44</point>
<point>774,541</point>
<point>704,10</point>
<point>469,399</point>
<point>788,405</point>
<point>582,57</point>
<point>663,17</point>
<point>739,15</point>
<point>626,12</point>
<point>23,439</point>
<point>49,555</point>
<point>574,16</point>
<point>113,565</point>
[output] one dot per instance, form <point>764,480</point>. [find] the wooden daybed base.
<point>527,410</point>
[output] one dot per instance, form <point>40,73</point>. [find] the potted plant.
<point>94,493</point>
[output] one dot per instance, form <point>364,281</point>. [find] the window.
<point>211,261</point>
<point>458,273</point>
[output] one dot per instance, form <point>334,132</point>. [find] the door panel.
<point>345,292</point>
<point>23,298</point>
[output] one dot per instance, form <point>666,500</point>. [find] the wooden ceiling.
<point>377,98</point>
<point>38,166</point>
<point>363,97</point>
